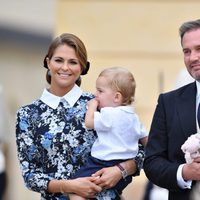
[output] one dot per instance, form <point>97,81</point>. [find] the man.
<point>175,119</point>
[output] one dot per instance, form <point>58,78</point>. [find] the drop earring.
<point>49,72</point>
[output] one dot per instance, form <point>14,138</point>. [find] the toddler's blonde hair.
<point>121,80</point>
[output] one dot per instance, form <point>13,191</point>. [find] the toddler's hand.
<point>93,103</point>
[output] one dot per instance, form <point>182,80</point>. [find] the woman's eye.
<point>73,62</point>
<point>58,60</point>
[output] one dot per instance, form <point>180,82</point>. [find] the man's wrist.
<point>184,184</point>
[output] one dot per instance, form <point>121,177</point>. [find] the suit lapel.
<point>186,103</point>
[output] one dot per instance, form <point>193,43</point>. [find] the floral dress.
<point>53,143</point>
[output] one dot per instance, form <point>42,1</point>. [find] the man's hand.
<point>192,171</point>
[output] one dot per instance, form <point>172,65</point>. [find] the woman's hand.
<point>84,187</point>
<point>108,177</point>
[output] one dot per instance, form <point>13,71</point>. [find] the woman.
<point>52,140</point>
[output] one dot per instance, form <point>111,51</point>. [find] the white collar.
<point>128,108</point>
<point>52,100</point>
<point>198,89</point>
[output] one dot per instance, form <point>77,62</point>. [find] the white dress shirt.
<point>181,182</point>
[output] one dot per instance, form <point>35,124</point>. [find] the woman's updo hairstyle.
<point>74,42</point>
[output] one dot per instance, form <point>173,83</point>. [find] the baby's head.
<point>120,81</point>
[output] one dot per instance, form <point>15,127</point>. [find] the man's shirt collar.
<point>198,89</point>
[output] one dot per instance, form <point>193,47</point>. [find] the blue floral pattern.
<point>54,144</point>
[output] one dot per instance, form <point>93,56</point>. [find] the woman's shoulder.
<point>35,105</point>
<point>87,95</point>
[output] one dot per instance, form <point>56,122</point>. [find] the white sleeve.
<point>2,162</point>
<point>143,131</point>
<point>181,182</point>
<point>102,120</point>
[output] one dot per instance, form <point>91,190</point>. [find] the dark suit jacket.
<point>173,122</point>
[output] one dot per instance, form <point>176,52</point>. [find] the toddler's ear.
<point>118,98</point>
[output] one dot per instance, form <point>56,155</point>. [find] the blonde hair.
<point>121,80</point>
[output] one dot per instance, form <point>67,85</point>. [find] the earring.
<point>78,81</point>
<point>48,72</point>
